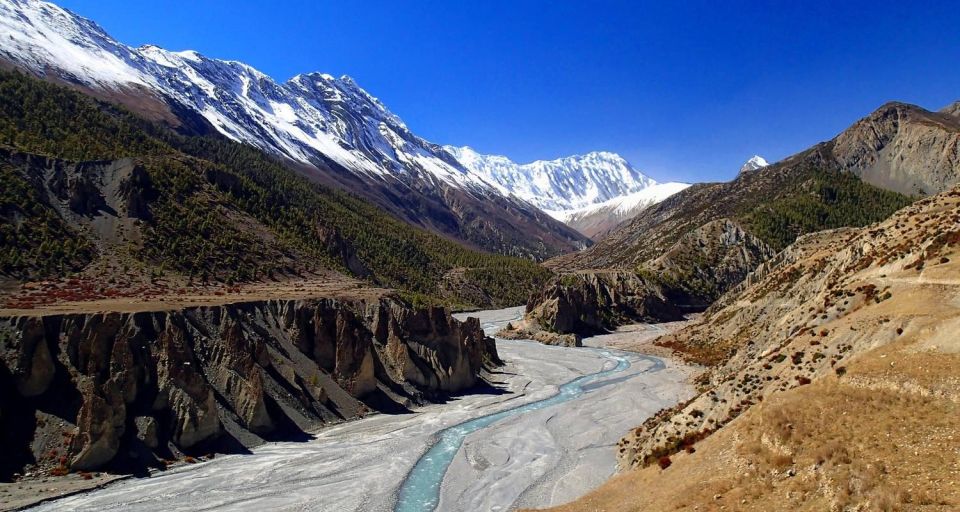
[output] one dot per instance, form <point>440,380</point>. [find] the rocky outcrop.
<point>693,273</point>
<point>593,302</point>
<point>511,332</point>
<point>903,148</point>
<point>952,109</point>
<point>124,385</point>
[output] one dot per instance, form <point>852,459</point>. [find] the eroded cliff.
<point>587,303</point>
<point>131,390</point>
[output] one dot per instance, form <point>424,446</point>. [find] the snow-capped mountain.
<point>558,186</point>
<point>314,119</point>
<point>755,162</point>
<point>597,219</point>
<point>309,114</point>
<point>591,193</point>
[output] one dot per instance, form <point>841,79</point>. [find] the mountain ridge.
<point>330,129</point>
<point>882,150</point>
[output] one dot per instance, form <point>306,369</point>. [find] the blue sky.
<point>685,90</point>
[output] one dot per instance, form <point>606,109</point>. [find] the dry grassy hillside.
<point>834,382</point>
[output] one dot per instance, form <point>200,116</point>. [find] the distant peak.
<point>952,109</point>
<point>755,162</point>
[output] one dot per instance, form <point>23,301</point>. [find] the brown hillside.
<point>833,382</point>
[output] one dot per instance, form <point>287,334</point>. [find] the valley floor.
<point>542,458</point>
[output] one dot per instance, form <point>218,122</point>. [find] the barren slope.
<point>834,382</point>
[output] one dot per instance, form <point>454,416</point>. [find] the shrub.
<point>664,462</point>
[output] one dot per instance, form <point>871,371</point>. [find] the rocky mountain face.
<point>327,128</point>
<point>88,391</point>
<point>707,262</point>
<point>952,109</point>
<point>855,324</point>
<point>903,148</point>
<point>691,275</point>
<point>587,303</point>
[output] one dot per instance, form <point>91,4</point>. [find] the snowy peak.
<point>755,162</point>
<point>311,118</point>
<point>558,185</point>
<point>349,136</point>
<point>49,39</point>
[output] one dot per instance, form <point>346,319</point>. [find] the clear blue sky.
<point>685,90</point>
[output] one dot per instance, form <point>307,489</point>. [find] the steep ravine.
<point>129,391</point>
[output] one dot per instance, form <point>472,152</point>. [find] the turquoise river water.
<point>420,491</point>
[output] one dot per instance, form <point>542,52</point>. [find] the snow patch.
<point>755,162</point>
